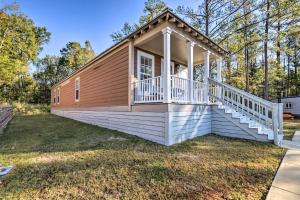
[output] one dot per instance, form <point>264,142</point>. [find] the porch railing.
<point>180,89</point>
<point>198,92</point>
<point>256,108</point>
<point>148,90</point>
<point>151,90</point>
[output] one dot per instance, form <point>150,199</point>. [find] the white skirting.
<point>167,128</point>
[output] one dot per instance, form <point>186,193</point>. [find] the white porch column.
<point>190,56</point>
<point>206,55</point>
<point>167,64</point>
<point>219,75</point>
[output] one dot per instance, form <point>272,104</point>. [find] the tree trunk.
<point>288,76</point>
<point>206,18</point>
<point>295,67</point>
<point>266,85</point>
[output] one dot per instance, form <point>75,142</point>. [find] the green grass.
<point>290,126</point>
<point>58,158</point>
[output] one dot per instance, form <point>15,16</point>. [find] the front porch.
<point>171,67</point>
<point>152,90</point>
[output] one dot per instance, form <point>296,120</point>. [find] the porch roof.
<point>169,16</point>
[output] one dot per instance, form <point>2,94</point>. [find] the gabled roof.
<point>170,16</point>
<point>167,15</point>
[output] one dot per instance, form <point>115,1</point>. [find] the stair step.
<point>261,129</point>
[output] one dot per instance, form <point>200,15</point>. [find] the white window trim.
<point>147,55</point>
<point>77,100</point>
<point>54,97</point>
<point>162,67</point>
<point>58,95</point>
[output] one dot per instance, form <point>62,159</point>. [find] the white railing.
<point>256,108</point>
<point>180,89</point>
<point>148,90</point>
<point>198,92</point>
<point>151,90</point>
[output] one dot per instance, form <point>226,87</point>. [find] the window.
<point>145,65</point>
<point>77,89</point>
<point>288,105</point>
<point>58,95</point>
<point>54,96</point>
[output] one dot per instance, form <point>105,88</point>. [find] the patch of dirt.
<point>116,138</point>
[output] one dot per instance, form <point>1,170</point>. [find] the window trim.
<point>54,96</point>
<point>77,79</point>
<point>58,95</point>
<point>147,55</point>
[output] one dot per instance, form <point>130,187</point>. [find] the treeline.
<point>21,41</point>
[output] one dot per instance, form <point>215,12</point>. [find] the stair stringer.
<point>226,125</point>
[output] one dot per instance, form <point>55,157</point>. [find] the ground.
<point>290,126</point>
<point>58,158</point>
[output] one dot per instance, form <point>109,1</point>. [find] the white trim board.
<point>147,55</point>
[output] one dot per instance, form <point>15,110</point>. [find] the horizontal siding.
<point>187,125</point>
<point>147,125</point>
<point>103,84</point>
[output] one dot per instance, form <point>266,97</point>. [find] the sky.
<point>79,20</point>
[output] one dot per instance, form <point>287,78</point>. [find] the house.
<point>156,84</point>
<point>291,105</point>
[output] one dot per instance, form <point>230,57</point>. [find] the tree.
<point>52,69</point>
<point>125,31</point>
<point>152,8</point>
<point>20,43</point>
<point>73,56</point>
<point>211,16</point>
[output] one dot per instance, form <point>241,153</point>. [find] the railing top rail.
<point>256,98</point>
<point>156,77</point>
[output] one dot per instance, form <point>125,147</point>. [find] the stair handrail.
<point>259,110</point>
<point>269,103</point>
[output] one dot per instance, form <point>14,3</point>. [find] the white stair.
<point>260,128</point>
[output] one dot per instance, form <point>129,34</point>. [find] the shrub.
<point>30,109</point>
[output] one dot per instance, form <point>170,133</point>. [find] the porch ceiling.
<point>178,48</point>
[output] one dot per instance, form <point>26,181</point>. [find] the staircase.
<point>264,132</point>
<point>262,117</point>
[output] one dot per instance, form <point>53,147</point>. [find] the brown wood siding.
<point>104,83</point>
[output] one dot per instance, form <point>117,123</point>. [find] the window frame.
<point>54,96</point>
<point>77,80</point>
<point>149,56</point>
<point>288,105</point>
<point>58,95</point>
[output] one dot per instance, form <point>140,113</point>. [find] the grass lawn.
<point>290,126</point>
<point>57,158</point>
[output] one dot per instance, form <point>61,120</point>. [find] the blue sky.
<point>78,20</point>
